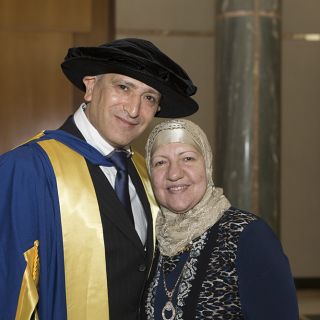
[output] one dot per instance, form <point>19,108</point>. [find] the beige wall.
<point>301,136</point>
<point>185,30</point>
<point>182,32</point>
<point>34,37</point>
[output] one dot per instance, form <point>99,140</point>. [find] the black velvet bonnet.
<point>138,59</point>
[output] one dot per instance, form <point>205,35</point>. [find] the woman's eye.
<point>158,163</point>
<point>188,158</point>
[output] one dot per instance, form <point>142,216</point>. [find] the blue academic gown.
<point>29,210</point>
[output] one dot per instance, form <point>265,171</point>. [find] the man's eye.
<point>123,87</point>
<point>151,99</point>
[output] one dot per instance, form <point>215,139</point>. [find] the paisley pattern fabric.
<point>209,274</point>
<point>219,296</point>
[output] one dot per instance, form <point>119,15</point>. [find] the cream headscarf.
<point>175,231</point>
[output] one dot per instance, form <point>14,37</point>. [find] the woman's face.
<point>178,176</point>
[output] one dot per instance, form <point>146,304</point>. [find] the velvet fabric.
<point>29,211</point>
<point>138,59</point>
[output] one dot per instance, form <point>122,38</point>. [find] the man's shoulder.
<point>23,157</point>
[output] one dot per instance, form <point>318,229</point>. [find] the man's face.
<point>120,107</point>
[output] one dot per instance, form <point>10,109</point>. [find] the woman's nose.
<point>175,171</point>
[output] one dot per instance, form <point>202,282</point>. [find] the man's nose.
<point>133,105</point>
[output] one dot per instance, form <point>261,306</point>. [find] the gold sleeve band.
<point>28,297</point>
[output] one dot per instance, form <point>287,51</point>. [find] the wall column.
<point>248,104</point>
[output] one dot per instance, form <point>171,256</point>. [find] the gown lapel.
<point>110,205</point>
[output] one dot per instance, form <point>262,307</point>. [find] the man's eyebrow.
<point>125,82</point>
<point>153,91</point>
<point>132,85</point>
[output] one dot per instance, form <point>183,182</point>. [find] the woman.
<point>213,261</point>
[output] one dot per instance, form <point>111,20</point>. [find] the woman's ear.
<point>89,82</point>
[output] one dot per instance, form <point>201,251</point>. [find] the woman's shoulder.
<point>241,221</point>
<point>238,224</point>
<point>237,219</point>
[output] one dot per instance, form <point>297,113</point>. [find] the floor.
<point>309,304</point>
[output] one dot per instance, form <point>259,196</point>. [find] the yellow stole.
<point>83,241</point>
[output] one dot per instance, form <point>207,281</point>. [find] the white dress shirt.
<point>93,137</point>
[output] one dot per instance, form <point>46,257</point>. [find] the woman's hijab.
<point>174,231</point>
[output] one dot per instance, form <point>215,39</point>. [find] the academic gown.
<point>29,211</point>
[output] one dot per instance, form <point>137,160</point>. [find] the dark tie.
<point>119,157</point>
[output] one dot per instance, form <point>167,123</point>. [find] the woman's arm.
<point>266,285</point>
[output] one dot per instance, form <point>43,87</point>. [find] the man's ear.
<point>89,82</point>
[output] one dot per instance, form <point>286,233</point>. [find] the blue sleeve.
<point>266,284</point>
<point>28,211</point>
<point>17,234</point>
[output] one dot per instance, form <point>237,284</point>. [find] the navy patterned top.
<point>235,270</point>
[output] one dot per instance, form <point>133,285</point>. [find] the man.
<point>75,242</point>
